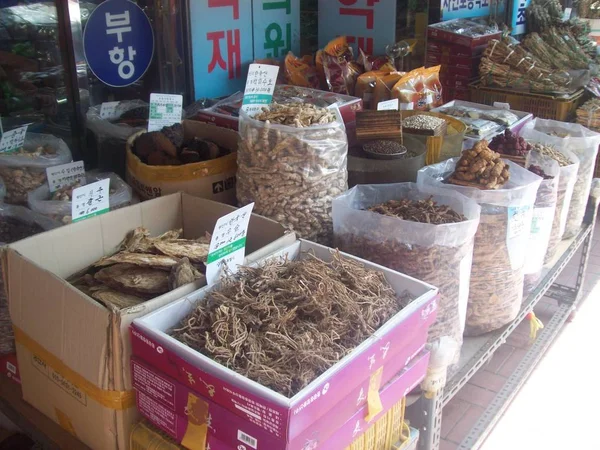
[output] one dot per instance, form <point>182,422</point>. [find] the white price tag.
<point>108,110</point>
<point>228,243</point>
<point>388,105</point>
<point>165,110</point>
<point>13,140</point>
<point>260,85</point>
<point>567,14</point>
<point>90,200</point>
<point>519,221</point>
<point>65,175</point>
<point>407,106</point>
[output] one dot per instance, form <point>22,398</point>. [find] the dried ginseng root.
<point>286,322</point>
<point>425,211</point>
<point>480,167</point>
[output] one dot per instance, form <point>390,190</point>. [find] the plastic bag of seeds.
<point>496,287</point>
<point>293,172</point>
<point>584,144</point>
<point>25,170</point>
<point>111,132</point>
<point>428,236</point>
<point>543,216</point>
<point>57,205</point>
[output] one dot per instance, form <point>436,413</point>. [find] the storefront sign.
<point>465,9</point>
<point>90,200</point>
<point>118,42</point>
<point>519,17</point>
<point>260,85</point>
<point>221,45</point>
<point>368,24</point>
<point>276,25</point>
<point>228,243</point>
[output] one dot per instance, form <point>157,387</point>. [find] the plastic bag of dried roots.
<point>292,164</point>
<point>496,286</point>
<point>428,236</point>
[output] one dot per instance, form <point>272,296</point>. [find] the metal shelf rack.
<point>426,414</point>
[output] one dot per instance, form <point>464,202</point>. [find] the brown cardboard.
<point>214,179</point>
<point>83,335</point>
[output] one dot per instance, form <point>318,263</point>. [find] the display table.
<point>426,414</point>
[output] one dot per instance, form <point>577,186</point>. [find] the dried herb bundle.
<point>424,211</point>
<point>285,323</point>
<point>143,268</point>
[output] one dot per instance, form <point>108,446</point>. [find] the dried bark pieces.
<point>183,273</point>
<point>133,279</point>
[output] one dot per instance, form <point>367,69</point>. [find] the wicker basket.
<point>389,432</point>
<point>540,105</point>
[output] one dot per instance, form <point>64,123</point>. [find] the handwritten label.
<point>13,140</point>
<point>90,200</point>
<point>65,175</point>
<point>108,110</point>
<point>260,85</point>
<point>228,243</point>
<point>165,110</point>
<point>388,105</point>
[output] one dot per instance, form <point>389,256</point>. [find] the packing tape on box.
<point>117,400</point>
<point>196,411</point>
<point>374,405</point>
<point>65,422</point>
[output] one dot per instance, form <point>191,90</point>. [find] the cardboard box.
<point>445,47</point>
<point>288,417</point>
<point>441,32</point>
<point>73,353</point>
<point>178,410</point>
<point>214,179</point>
<point>10,367</point>
<point>435,59</point>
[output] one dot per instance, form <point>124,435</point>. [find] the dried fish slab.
<point>132,279</point>
<point>139,259</point>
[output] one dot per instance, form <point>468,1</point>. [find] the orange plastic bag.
<point>383,87</point>
<point>301,71</point>
<point>419,89</point>
<point>341,72</point>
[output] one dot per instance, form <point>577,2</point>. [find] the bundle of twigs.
<point>543,14</point>
<point>566,44</point>
<point>545,52</point>
<point>285,323</point>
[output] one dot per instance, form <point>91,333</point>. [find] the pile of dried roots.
<point>286,322</point>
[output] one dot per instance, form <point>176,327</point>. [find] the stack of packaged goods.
<point>457,45</point>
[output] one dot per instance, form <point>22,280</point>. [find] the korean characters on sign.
<point>369,25</point>
<point>461,9</point>
<point>276,25</point>
<point>118,42</point>
<point>221,45</point>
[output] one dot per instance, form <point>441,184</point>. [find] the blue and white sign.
<point>276,25</point>
<point>469,9</point>
<point>118,42</point>
<point>518,22</point>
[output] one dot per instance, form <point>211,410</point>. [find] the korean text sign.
<point>276,25</point>
<point>118,42</point>
<point>463,9</point>
<point>519,16</point>
<point>90,200</point>
<point>221,45</point>
<point>368,24</point>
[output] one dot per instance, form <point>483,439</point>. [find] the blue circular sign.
<point>118,42</point>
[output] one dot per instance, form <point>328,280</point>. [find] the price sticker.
<point>165,110</point>
<point>65,175</point>
<point>228,243</point>
<point>388,105</point>
<point>90,200</point>
<point>108,110</point>
<point>13,140</point>
<point>260,85</point>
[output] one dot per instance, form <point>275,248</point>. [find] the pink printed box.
<point>176,410</point>
<point>286,418</point>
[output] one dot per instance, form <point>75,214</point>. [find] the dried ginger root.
<point>481,167</point>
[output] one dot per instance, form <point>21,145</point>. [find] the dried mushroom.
<point>480,167</point>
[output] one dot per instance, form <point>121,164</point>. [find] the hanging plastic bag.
<point>437,254</point>
<point>543,216</point>
<point>584,144</point>
<point>41,200</point>
<point>25,170</point>
<point>496,287</point>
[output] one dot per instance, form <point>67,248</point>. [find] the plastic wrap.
<point>293,174</point>
<point>111,136</point>
<point>584,144</point>
<point>60,211</point>
<point>496,286</point>
<point>437,254</point>
<point>543,216</point>
<point>23,173</point>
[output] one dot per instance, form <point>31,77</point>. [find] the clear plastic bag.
<point>293,174</point>
<point>60,211</point>
<point>437,254</point>
<point>496,286</point>
<point>2,190</point>
<point>543,216</point>
<point>584,144</point>
<point>111,137</point>
<point>25,172</point>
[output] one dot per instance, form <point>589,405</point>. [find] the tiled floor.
<point>463,411</point>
